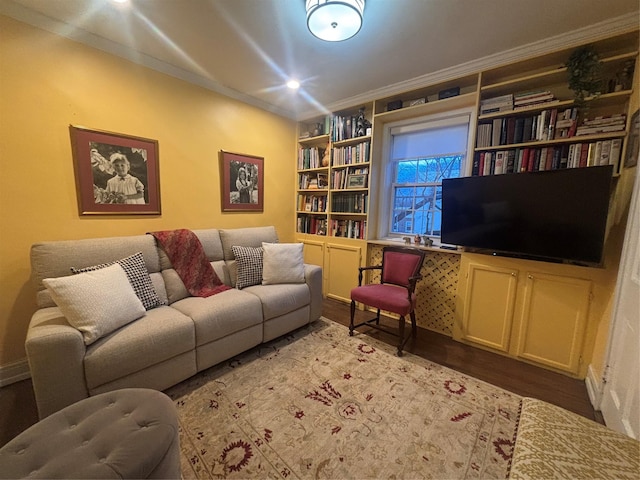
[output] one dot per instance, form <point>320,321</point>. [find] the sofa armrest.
<point>313,277</point>
<point>55,352</point>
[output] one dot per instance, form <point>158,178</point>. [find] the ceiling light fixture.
<point>293,84</point>
<point>334,20</point>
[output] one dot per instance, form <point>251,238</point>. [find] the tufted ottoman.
<point>129,433</point>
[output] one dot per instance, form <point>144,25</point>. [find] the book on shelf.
<point>496,129</point>
<point>510,159</point>
<point>602,124</point>
<point>616,150</point>
<point>543,159</point>
<point>499,163</point>
<point>488,163</point>
<point>497,104</point>
<point>484,135</point>
<point>533,99</point>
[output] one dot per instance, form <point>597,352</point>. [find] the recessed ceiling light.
<point>293,84</point>
<point>119,1</point>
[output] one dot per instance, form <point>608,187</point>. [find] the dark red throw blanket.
<point>190,262</point>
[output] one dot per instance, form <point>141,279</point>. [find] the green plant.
<point>584,69</point>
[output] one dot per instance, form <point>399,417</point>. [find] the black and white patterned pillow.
<point>138,276</point>
<point>249,264</point>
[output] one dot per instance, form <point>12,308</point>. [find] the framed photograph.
<point>357,181</point>
<point>242,182</point>
<point>116,174</point>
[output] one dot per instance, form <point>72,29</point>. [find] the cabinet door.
<point>489,303</point>
<point>313,252</point>
<point>342,262</point>
<point>553,321</point>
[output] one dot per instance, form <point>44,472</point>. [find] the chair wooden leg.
<point>353,312</point>
<point>401,332</point>
<point>414,327</point>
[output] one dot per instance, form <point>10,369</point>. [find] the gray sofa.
<point>169,343</point>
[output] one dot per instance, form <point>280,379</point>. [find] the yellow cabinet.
<point>531,311</point>
<point>553,320</point>
<point>489,302</point>
<point>341,270</point>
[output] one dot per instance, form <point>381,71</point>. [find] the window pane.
<point>406,172</point>
<point>417,208</point>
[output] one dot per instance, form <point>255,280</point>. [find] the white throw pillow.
<point>96,302</point>
<point>282,263</point>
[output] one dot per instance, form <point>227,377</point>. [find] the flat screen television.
<point>557,215</point>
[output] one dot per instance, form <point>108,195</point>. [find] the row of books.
<point>310,157</point>
<point>575,155</point>
<point>312,181</point>
<point>338,228</point>
<point>344,127</point>
<point>349,202</point>
<point>511,101</point>
<point>340,178</point>
<point>312,203</point>
<point>548,124</point>
<point>603,124</point>
<point>352,154</point>
<point>348,228</point>
<point>311,224</point>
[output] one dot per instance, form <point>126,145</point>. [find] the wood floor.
<point>18,409</point>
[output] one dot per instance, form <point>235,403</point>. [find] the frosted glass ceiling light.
<point>334,20</point>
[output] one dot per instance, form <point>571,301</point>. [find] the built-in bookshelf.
<point>333,174</point>
<point>528,119</point>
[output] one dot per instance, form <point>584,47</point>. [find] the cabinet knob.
<point>530,277</point>
<point>514,274</point>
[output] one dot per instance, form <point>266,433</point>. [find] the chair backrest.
<point>400,263</point>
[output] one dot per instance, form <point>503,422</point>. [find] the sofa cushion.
<point>281,299</point>
<point>249,266</point>
<point>163,333</point>
<point>96,302</point>
<point>247,237</point>
<point>175,287</point>
<point>282,263</point>
<point>54,259</point>
<point>138,276</point>
<point>221,315</point>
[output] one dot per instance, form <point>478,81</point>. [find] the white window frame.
<point>454,117</point>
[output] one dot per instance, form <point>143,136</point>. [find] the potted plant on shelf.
<point>584,70</point>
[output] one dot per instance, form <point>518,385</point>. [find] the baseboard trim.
<point>594,387</point>
<point>14,372</point>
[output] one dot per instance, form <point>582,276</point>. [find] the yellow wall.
<point>48,82</point>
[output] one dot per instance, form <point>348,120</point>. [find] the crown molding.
<point>609,28</point>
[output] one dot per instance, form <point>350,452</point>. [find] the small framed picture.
<point>357,181</point>
<point>116,174</point>
<point>242,182</point>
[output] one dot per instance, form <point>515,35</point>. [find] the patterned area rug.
<point>320,404</point>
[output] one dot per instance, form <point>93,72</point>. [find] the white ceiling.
<point>249,48</point>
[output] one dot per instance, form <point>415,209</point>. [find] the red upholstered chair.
<point>400,271</point>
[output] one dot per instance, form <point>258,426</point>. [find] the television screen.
<point>557,215</point>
